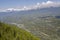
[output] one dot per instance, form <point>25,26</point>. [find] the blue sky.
<point>17,3</point>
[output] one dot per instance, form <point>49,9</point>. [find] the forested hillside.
<point>11,32</point>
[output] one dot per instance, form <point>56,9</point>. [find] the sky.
<point>5,4</point>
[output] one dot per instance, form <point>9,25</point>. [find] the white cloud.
<point>38,5</point>
<point>48,4</point>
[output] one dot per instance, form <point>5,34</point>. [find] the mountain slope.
<point>10,32</point>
